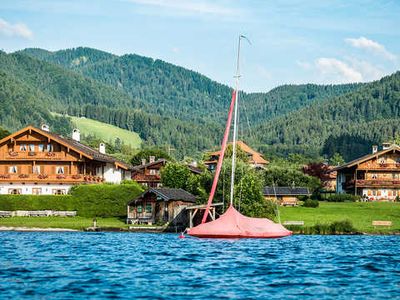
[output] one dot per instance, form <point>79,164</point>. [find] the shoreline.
<point>144,230</point>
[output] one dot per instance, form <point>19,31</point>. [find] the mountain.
<point>348,124</point>
<point>168,105</point>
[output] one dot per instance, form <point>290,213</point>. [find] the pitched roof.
<point>365,158</point>
<point>256,157</point>
<point>168,194</point>
<point>285,191</point>
<point>74,145</point>
<point>149,164</point>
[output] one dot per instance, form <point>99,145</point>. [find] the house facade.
<point>160,205</point>
<point>255,158</point>
<point>37,161</point>
<point>148,174</point>
<point>375,176</point>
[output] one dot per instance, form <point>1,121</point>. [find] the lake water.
<point>161,266</point>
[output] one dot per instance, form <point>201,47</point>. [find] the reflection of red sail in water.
<point>232,224</point>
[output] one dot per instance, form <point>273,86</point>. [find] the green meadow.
<point>106,132</point>
<point>361,214</point>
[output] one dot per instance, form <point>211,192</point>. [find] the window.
<point>15,191</point>
<point>41,148</point>
<point>59,170</point>
<point>31,148</point>
<point>13,169</point>
<point>36,191</point>
<point>22,147</point>
<point>36,169</point>
<point>49,147</point>
<point>374,176</point>
<point>382,160</point>
<point>152,172</point>
<point>148,207</point>
<point>139,209</point>
<point>58,192</point>
<point>395,175</point>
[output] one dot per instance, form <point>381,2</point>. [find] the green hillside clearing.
<point>106,131</point>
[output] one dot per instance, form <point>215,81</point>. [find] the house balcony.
<point>373,183</point>
<point>53,178</point>
<point>383,166</point>
<point>33,156</point>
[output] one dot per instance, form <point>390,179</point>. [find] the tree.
<point>175,175</point>
<point>336,160</point>
<point>4,133</point>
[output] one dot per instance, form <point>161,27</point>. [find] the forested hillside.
<point>348,124</point>
<point>168,105</point>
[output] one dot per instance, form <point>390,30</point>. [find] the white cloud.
<point>176,50</point>
<point>17,29</point>
<point>304,64</point>
<point>369,71</point>
<point>337,70</point>
<point>370,45</point>
<point>189,6</point>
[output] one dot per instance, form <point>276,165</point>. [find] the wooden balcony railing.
<point>383,166</point>
<point>33,155</point>
<point>53,178</point>
<point>377,182</point>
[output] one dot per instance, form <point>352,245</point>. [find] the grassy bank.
<point>78,223</point>
<point>360,214</point>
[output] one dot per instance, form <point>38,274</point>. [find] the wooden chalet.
<point>256,159</point>
<point>375,176</point>
<point>148,174</point>
<point>160,205</point>
<point>37,161</point>
<point>286,196</point>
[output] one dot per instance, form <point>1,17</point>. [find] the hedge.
<point>100,200</point>
<point>343,198</point>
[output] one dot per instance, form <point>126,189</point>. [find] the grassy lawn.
<point>78,223</point>
<point>361,214</point>
<point>106,131</point>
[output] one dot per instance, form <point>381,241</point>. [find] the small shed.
<point>285,195</point>
<point>160,205</point>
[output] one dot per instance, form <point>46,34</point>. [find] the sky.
<point>292,42</point>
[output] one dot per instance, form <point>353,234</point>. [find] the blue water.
<point>161,266</point>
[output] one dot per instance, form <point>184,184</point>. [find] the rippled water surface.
<point>161,266</point>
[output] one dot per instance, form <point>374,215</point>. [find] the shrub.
<point>311,203</point>
<point>100,200</point>
<point>343,198</point>
<point>342,227</point>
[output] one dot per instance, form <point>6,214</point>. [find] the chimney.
<point>152,159</point>
<point>76,135</point>
<point>45,127</point>
<point>143,161</point>
<point>374,149</point>
<point>386,146</point>
<point>102,148</point>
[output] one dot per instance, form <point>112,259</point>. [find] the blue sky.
<point>292,41</point>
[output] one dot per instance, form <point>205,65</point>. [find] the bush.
<point>100,200</point>
<point>343,198</point>
<point>342,227</point>
<point>311,203</point>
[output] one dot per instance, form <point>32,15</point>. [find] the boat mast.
<point>235,119</point>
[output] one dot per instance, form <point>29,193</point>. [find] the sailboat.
<point>232,224</point>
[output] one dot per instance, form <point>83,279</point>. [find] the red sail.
<point>221,157</point>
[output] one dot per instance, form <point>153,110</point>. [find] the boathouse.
<point>160,205</point>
